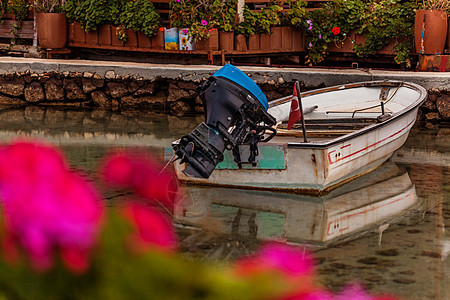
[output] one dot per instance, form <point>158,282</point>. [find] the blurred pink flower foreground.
<point>46,207</point>
<point>141,174</point>
<point>152,229</point>
<point>276,256</point>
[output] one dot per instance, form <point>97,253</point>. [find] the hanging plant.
<point>3,7</point>
<point>19,9</point>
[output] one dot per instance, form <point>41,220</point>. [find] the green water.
<point>404,252</point>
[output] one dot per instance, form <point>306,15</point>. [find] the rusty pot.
<point>430,31</point>
<point>52,30</point>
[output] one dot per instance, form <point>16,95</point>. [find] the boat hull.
<point>313,170</point>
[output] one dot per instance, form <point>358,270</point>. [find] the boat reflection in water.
<point>366,204</point>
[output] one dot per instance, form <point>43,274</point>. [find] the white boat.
<point>350,130</point>
<point>367,204</point>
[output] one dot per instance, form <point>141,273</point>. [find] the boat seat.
<point>365,107</point>
<point>325,127</point>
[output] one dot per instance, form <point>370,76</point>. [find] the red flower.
<point>336,30</point>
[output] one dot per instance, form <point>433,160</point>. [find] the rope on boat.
<point>168,163</point>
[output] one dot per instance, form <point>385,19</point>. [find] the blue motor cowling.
<point>235,113</point>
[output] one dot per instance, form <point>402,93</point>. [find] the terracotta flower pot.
<point>298,40</point>
<point>286,38</point>
<point>226,40</point>
<point>276,38</point>
<point>158,39</point>
<point>132,40</point>
<point>253,41</point>
<point>76,34</point>
<point>211,43</point>
<point>430,31</point>
<point>264,42</point>
<point>52,30</point>
<point>114,40</point>
<point>240,43</point>
<point>104,35</point>
<point>447,43</point>
<point>92,37</point>
<point>143,40</point>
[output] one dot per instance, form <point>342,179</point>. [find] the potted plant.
<point>225,13</point>
<point>247,30</point>
<point>76,34</point>
<point>258,26</point>
<point>292,21</point>
<point>332,28</point>
<point>430,27</point>
<point>51,24</point>
<point>387,27</point>
<point>107,29</point>
<point>198,17</point>
<point>268,23</point>
<point>140,17</point>
<point>92,14</point>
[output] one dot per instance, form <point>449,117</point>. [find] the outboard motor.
<point>235,113</point>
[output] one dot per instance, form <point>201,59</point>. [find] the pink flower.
<point>142,174</point>
<point>310,295</point>
<point>204,22</point>
<point>47,207</point>
<point>152,228</point>
<point>357,292</point>
<point>279,257</point>
<point>185,31</point>
<point>178,1</point>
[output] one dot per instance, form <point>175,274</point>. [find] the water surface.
<point>387,230</point>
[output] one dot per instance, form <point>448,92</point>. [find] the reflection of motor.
<point>233,116</point>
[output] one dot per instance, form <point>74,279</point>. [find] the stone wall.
<point>435,112</point>
<point>174,96</point>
